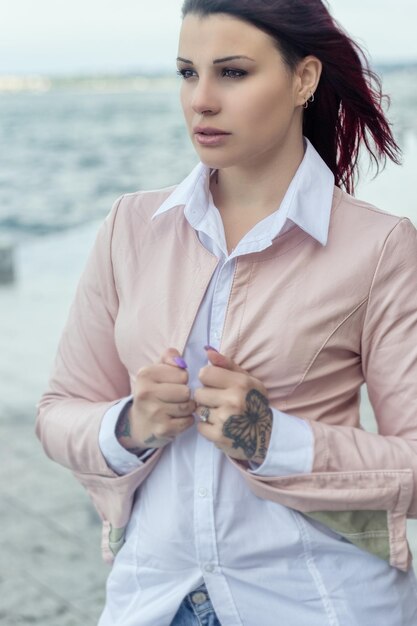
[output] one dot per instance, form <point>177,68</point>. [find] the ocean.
<point>69,152</point>
<point>66,154</point>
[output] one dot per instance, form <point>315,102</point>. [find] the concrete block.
<point>7,263</point>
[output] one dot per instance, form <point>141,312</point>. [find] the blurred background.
<point>89,109</point>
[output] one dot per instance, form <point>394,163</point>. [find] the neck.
<point>258,187</point>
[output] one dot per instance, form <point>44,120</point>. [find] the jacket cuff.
<point>291,447</point>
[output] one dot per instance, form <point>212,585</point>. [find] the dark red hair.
<point>347,111</point>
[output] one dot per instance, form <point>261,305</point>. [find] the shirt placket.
<point>204,472</point>
<point>204,517</point>
<point>220,299</point>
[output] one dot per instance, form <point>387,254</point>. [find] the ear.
<point>307,75</point>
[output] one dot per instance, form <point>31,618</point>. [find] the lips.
<point>200,130</point>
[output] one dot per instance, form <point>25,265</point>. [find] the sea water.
<point>67,154</point>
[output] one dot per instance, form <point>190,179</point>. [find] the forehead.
<point>206,36</point>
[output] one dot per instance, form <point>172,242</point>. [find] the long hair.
<point>347,110</point>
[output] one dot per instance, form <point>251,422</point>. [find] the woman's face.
<point>253,98</point>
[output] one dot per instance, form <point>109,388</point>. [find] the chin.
<point>215,161</point>
<point>214,165</point>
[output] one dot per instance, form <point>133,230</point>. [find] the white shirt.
<point>194,517</point>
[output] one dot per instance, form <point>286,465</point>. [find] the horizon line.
<point>147,72</point>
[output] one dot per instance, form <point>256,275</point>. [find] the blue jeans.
<point>196,610</point>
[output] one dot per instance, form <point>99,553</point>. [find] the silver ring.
<point>205,414</point>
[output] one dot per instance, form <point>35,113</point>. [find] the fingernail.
<point>210,348</point>
<point>180,362</point>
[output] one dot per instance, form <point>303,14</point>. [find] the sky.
<point>82,36</point>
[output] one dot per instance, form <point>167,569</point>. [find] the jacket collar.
<point>307,202</point>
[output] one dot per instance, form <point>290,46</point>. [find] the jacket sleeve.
<point>389,362</point>
<point>88,378</point>
<point>364,485</point>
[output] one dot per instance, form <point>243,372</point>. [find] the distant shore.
<point>101,82</point>
<point>130,81</point>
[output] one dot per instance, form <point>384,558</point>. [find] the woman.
<point>206,389</point>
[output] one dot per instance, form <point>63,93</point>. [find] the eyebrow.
<point>223,60</point>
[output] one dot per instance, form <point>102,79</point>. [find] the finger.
<point>172,356</point>
<point>179,410</point>
<point>169,392</point>
<point>168,430</point>
<point>203,412</point>
<point>210,429</point>
<point>179,425</point>
<point>212,376</point>
<point>165,399</point>
<point>162,373</point>
<point>221,360</point>
<point>208,396</point>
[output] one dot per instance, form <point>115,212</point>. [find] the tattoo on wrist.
<point>251,430</point>
<point>123,424</point>
<point>152,439</point>
<point>137,451</point>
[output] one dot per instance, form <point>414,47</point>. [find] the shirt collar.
<point>307,201</point>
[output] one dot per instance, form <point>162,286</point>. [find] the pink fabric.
<point>312,322</point>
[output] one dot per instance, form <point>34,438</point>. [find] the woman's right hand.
<point>162,406</point>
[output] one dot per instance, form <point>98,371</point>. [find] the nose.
<point>204,99</point>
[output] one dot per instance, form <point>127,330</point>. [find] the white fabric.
<point>194,517</point>
<point>290,450</point>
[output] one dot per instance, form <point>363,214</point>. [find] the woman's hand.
<point>162,406</point>
<point>237,409</point>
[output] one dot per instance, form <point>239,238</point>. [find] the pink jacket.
<point>312,322</point>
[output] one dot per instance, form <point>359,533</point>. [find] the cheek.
<point>268,109</point>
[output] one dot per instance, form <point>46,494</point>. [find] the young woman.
<point>206,389</point>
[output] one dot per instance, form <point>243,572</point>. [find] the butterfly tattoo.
<point>250,431</point>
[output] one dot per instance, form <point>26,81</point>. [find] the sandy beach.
<point>47,575</point>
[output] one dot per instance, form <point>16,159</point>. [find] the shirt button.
<point>199,597</point>
<point>202,492</point>
<point>209,567</point>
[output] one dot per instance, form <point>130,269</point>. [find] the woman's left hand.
<point>239,418</point>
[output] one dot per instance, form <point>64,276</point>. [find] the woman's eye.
<point>185,73</point>
<point>227,72</point>
<point>234,73</point>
